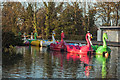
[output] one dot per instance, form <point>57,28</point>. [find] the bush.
<point>9,38</point>
<point>18,41</point>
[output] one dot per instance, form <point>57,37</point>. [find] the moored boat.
<point>81,49</point>
<point>60,46</point>
<point>104,50</point>
<point>46,43</point>
<point>35,43</point>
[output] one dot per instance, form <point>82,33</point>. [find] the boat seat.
<point>77,47</point>
<point>70,46</point>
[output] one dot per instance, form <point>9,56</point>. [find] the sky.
<point>59,0</point>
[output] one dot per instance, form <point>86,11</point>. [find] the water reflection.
<point>84,59</point>
<point>103,61</point>
<point>37,62</point>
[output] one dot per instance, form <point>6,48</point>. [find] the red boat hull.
<point>58,47</point>
<point>81,49</point>
<point>77,49</point>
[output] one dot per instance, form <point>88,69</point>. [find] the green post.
<point>35,35</point>
<point>19,34</point>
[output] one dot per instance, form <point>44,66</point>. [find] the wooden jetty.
<point>115,44</point>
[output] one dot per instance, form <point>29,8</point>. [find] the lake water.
<point>37,62</point>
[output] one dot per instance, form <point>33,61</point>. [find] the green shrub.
<point>9,38</point>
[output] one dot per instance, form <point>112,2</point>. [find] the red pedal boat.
<point>60,46</point>
<point>81,49</point>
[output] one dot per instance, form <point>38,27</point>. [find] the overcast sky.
<point>60,0</point>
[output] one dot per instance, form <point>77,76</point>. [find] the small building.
<point>113,33</point>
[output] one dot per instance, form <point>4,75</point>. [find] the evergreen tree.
<point>51,16</point>
<point>70,20</point>
<point>41,20</point>
<point>29,18</point>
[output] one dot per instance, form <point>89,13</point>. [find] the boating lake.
<point>37,62</point>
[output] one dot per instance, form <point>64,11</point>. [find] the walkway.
<point>115,44</point>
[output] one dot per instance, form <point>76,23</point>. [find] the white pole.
<point>111,22</point>
<point>99,32</point>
